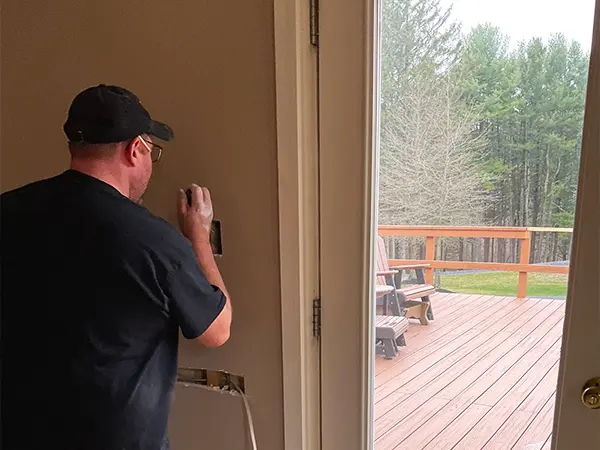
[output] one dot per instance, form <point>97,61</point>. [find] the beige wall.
<point>206,68</point>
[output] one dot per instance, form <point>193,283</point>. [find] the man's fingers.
<point>182,203</point>
<point>200,197</point>
<point>197,195</point>
<point>207,198</point>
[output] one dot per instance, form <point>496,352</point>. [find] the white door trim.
<point>296,97</point>
<point>348,136</point>
<point>574,425</point>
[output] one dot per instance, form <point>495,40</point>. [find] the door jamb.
<point>297,151</point>
<point>348,106</point>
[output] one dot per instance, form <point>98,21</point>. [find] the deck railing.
<point>431,233</point>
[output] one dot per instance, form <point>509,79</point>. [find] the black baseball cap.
<point>105,114</point>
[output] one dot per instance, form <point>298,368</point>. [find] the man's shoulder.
<point>27,188</point>
<point>21,197</point>
<point>154,232</point>
<point>155,226</point>
<point>156,242</point>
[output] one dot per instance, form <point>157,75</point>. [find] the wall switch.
<point>216,242</point>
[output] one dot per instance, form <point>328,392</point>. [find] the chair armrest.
<point>411,267</point>
<point>383,273</point>
<point>382,289</point>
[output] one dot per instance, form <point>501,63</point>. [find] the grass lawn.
<point>505,283</point>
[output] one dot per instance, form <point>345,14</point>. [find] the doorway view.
<point>482,107</point>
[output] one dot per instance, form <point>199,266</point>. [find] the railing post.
<point>429,256</point>
<point>524,259</point>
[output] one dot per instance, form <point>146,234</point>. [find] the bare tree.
<point>429,172</point>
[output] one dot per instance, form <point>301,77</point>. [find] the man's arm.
<point>195,221</point>
<point>218,332</point>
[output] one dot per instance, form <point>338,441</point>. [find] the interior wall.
<point>206,68</point>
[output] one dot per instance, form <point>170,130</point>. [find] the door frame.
<point>349,136</point>
<point>297,165</point>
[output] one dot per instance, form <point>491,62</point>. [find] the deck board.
<point>481,375</point>
<point>440,333</point>
<point>540,428</point>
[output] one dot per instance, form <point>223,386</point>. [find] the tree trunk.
<point>535,210</point>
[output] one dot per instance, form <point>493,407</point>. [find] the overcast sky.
<point>524,19</point>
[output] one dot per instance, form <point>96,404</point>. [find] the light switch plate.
<point>216,242</point>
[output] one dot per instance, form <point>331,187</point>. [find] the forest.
<point>478,130</point>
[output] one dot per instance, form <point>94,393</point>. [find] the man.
<point>95,289</point>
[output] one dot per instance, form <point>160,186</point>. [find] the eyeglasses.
<point>155,150</point>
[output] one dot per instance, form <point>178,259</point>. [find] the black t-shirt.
<point>94,291</point>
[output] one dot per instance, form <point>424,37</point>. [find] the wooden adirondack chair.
<point>412,301</point>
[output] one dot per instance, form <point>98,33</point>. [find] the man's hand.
<point>195,219</point>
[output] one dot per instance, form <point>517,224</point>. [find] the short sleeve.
<point>194,302</point>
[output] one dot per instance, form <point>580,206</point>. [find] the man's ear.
<point>133,151</point>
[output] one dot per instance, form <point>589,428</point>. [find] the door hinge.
<point>314,22</point>
<point>316,319</point>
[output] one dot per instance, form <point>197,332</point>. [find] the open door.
<point>577,413</point>
<point>348,122</point>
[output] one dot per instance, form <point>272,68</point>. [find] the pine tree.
<point>530,104</point>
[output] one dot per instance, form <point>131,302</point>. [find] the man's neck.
<point>102,173</point>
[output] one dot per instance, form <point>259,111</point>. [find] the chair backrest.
<point>382,262</point>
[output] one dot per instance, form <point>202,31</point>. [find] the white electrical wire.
<point>248,415</point>
<point>195,383</point>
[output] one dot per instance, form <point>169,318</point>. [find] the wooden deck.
<point>482,375</point>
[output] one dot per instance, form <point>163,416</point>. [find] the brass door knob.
<point>590,396</point>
